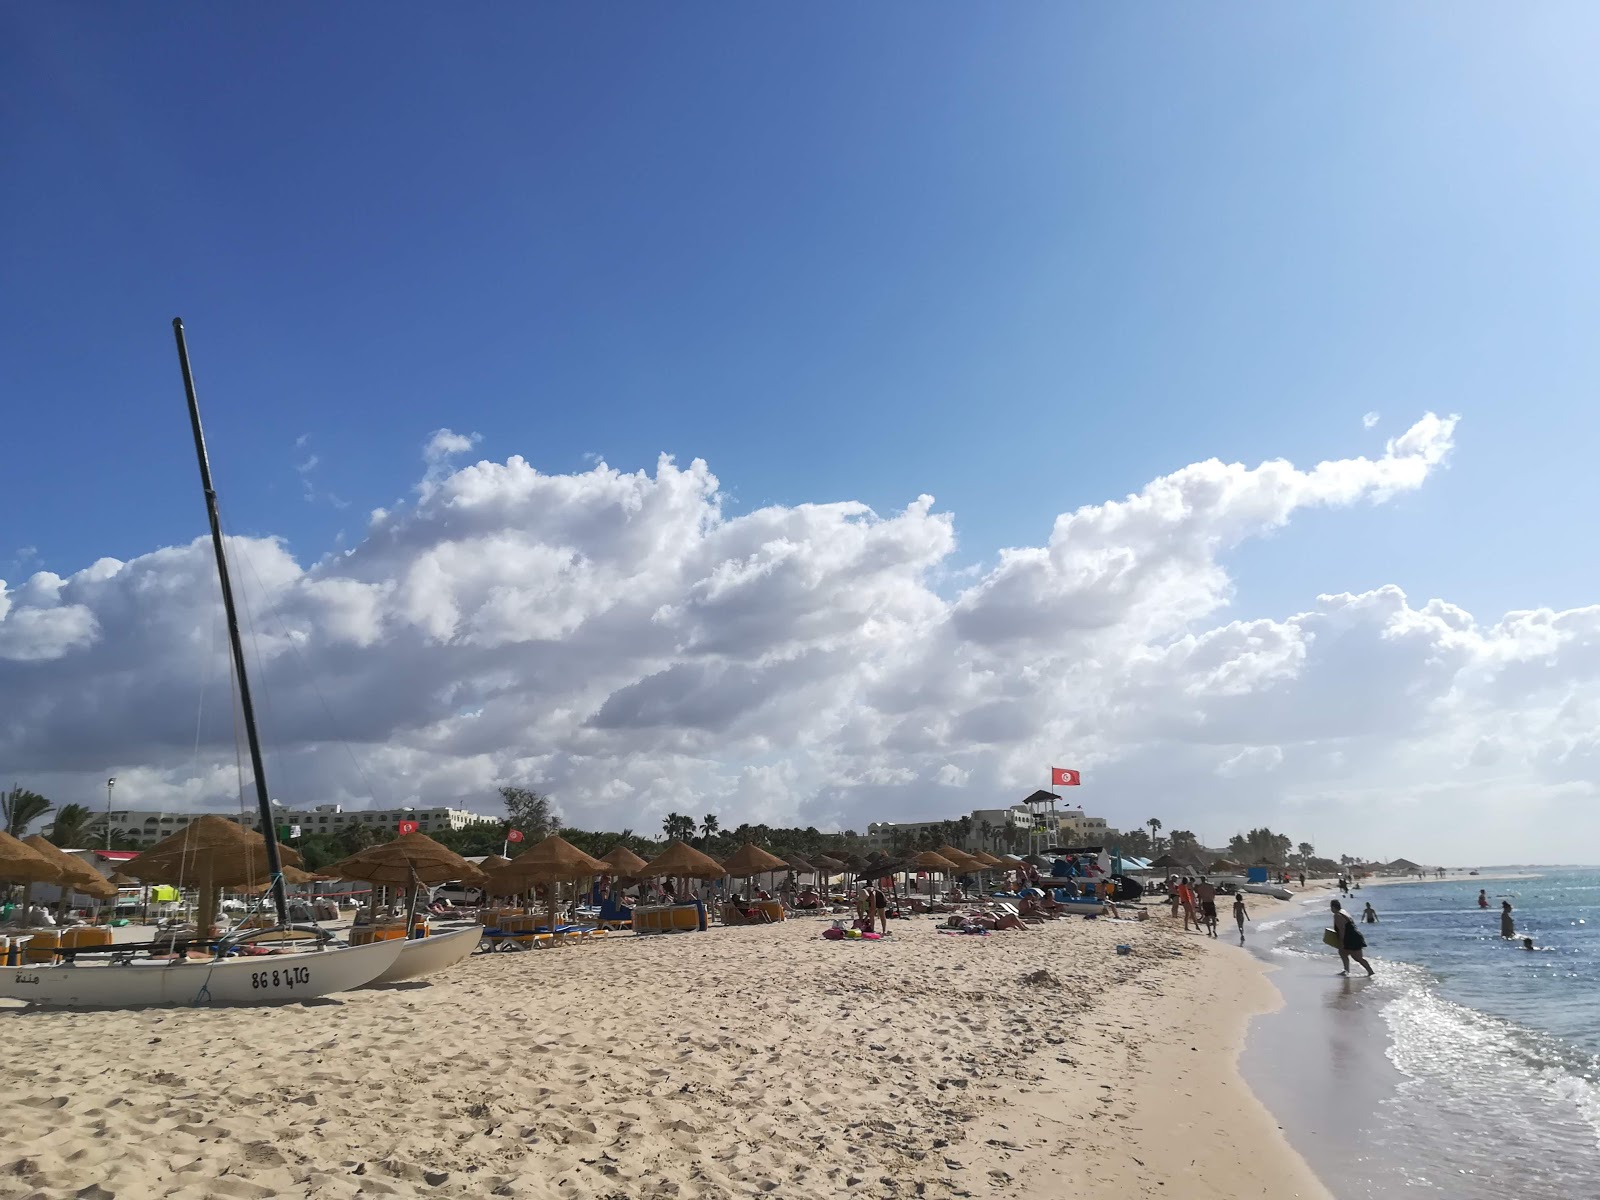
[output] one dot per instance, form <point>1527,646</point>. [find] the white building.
<point>1071,828</point>
<point>1076,829</point>
<point>148,827</point>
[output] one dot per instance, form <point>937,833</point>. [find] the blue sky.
<point>1024,258</point>
<point>1021,257</point>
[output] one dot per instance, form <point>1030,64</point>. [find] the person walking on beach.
<point>1508,927</point>
<point>1483,898</point>
<point>1186,898</point>
<point>1370,916</point>
<point>1206,893</point>
<point>1351,943</point>
<point>1240,914</point>
<point>1302,880</point>
<point>1172,894</point>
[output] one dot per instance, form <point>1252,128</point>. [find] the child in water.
<point>1240,914</point>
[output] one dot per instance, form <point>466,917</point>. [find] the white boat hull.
<point>253,979</point>
<point>1276,891</point>
<point>424,956</point>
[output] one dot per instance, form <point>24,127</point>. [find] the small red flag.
<point>514,836</point>
<point>408,827</point>
<point>1064,777</point>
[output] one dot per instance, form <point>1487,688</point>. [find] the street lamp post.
<point>110,783</point>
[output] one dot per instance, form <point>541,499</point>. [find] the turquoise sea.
<point>1468,1066</point>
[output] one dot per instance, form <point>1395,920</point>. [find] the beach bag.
<point>835,934</point>
<point>1330,937</point>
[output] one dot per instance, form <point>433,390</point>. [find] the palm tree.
<point>22,808</point>
<point>1155,830</point>
<point>678,828</point>
<point>74,826</point>
<point>985,835</point>
<point>709,828</point>
<point>1307,850</point>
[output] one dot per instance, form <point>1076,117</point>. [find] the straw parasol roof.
<point>554,860</point>
<point>960,858</point>
<point>624,862</point>
<point>988,859</point>
<point>410,858</point>
<point>800,865</point>
<point>685,861</point>
<point>824,863</point>
<point>209,851</point>
<point>76,875</point>
<point>21,863</point>
<point>490,862</point>
<point>932,860</point>
<point>750,859</point>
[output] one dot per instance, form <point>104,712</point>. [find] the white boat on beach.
<point>250,979</point>
<point>424,956</point>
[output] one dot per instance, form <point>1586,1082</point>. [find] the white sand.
<point>740,1062</point>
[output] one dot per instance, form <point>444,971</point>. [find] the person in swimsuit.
<point>1351,943</point>
<point>1370,916</point>
<point>1206,893</point>
<point>1483,898</point>
<point>1508,927</point>
<point>1240,914</point>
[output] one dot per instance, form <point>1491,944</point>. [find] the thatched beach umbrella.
<point>489,864</point>
<point>750,860</point>
<point>624,862</point>
<point>409,861</point>
<point>209,853</point>
<point>932,860</point>
<point>76,875</point>
<point>682,861</point>
<point>554,860</point>
<point>21,863</point>
<point>827,867</point>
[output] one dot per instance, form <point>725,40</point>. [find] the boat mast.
<point>269,831</point>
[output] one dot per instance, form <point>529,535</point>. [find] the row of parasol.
<point>212,853</point>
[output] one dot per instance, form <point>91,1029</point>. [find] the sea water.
<point>1467,1066</point>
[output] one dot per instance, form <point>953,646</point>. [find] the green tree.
<point>1260,846</point>
<point>678,827</point>
<point>75,827</point>
<point>1155,832</point>
<point>356,837</point>
<point>1307,850</point>
<point>1134,841</point>
<point>709,828</point>
<point>21,808</point>
<point>985,835</point>
<point>533,812</point>
<point>1182,843</point>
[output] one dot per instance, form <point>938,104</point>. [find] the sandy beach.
<point>740,1062</point>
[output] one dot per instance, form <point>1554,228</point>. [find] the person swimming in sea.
<point>1483,898</point>
<point>1370,916</point>
<point>1508,927</point>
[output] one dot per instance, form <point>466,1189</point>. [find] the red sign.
<point>1064,777</point>
<point>408,827</point>
<point>514,836</point>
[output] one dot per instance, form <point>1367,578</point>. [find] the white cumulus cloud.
<point>622,640</point>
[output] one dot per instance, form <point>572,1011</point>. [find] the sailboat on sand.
<point>277,978</point>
